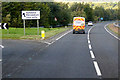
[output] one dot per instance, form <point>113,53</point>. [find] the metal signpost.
<point>28,15</point>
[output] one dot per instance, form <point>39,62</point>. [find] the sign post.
<point>38,26</point>
<point>24,25</point>
<point>28,15</point>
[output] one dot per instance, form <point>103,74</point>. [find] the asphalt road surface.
<point>90,55</point>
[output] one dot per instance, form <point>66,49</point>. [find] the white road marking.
<point>97,68</point>
<point>89,41</point>
<point>90,47</point>
<point>46,42</point>
<point>49,43</point>
<point>0,60</point>
<point>63,35</point>
<point>88,36</point>
<point>1,46</point>
<point>92,55</point>
<point>110,32</point>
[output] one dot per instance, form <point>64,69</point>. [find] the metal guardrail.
<point>116,24</point>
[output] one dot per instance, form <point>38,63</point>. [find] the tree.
<point>89,12</point>
<point>77,10</point>
<point>119,10</point>
<point>59,11</point>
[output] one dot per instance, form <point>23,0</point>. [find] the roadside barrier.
<point>116,25</point>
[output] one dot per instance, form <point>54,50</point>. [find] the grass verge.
<point>31,33</point>
<point>114,29</point>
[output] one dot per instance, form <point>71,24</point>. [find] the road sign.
<point>30,14</point>
<point>4,26</point>
<point>101,18</point>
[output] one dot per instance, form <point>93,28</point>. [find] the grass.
<point>114,29</point>
<point>31,33</point>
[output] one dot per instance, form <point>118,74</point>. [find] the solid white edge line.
<point>57,38</point>
<point>1,46</point>
<point>46,42</point>
<point>110,32</point>
<point>97,68</point>
<point>63,35</point>
<point>90,47</point>
<point>92,54</point>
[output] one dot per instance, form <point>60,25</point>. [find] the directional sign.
<point>101,18</point>
<point>30,14</point>
<point>4,26</point>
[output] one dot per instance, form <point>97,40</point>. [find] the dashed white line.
<point>97,68</point>
<point>89,41</point>
<point>92,54</point>
<point>90,47</point>
<point>1,46</point>
<point>110,32</point>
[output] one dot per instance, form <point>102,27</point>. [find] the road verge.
<point>114,29</point>
<point>31,33</point>
<point>111,32</point>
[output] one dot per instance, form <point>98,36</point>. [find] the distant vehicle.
<point>90,23</point>
<point>79,25</point>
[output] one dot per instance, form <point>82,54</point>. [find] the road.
<point>68,57</point>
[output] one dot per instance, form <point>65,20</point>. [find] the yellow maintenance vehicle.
<point>79,25</point>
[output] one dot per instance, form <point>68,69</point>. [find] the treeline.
<point>105,5</point>
<point>53,13</point>
<point>82,9</point>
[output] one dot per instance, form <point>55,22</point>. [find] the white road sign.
<point>30,14</point>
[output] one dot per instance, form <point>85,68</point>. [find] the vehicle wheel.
<point>73,32</point>
<point>84,32</point>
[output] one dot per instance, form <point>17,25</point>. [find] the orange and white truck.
<point>79,25</point>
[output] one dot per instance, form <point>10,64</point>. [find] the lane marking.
<point>49,43</point>
<point>92,54</point>
<point>97,68</point>
<point>0,60</point>
<point>90,47</point>
<point>46,42</point>
<point>110,32</point>
<point>63,35</point>
<point>1,46</point>
<point>89,41</point>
